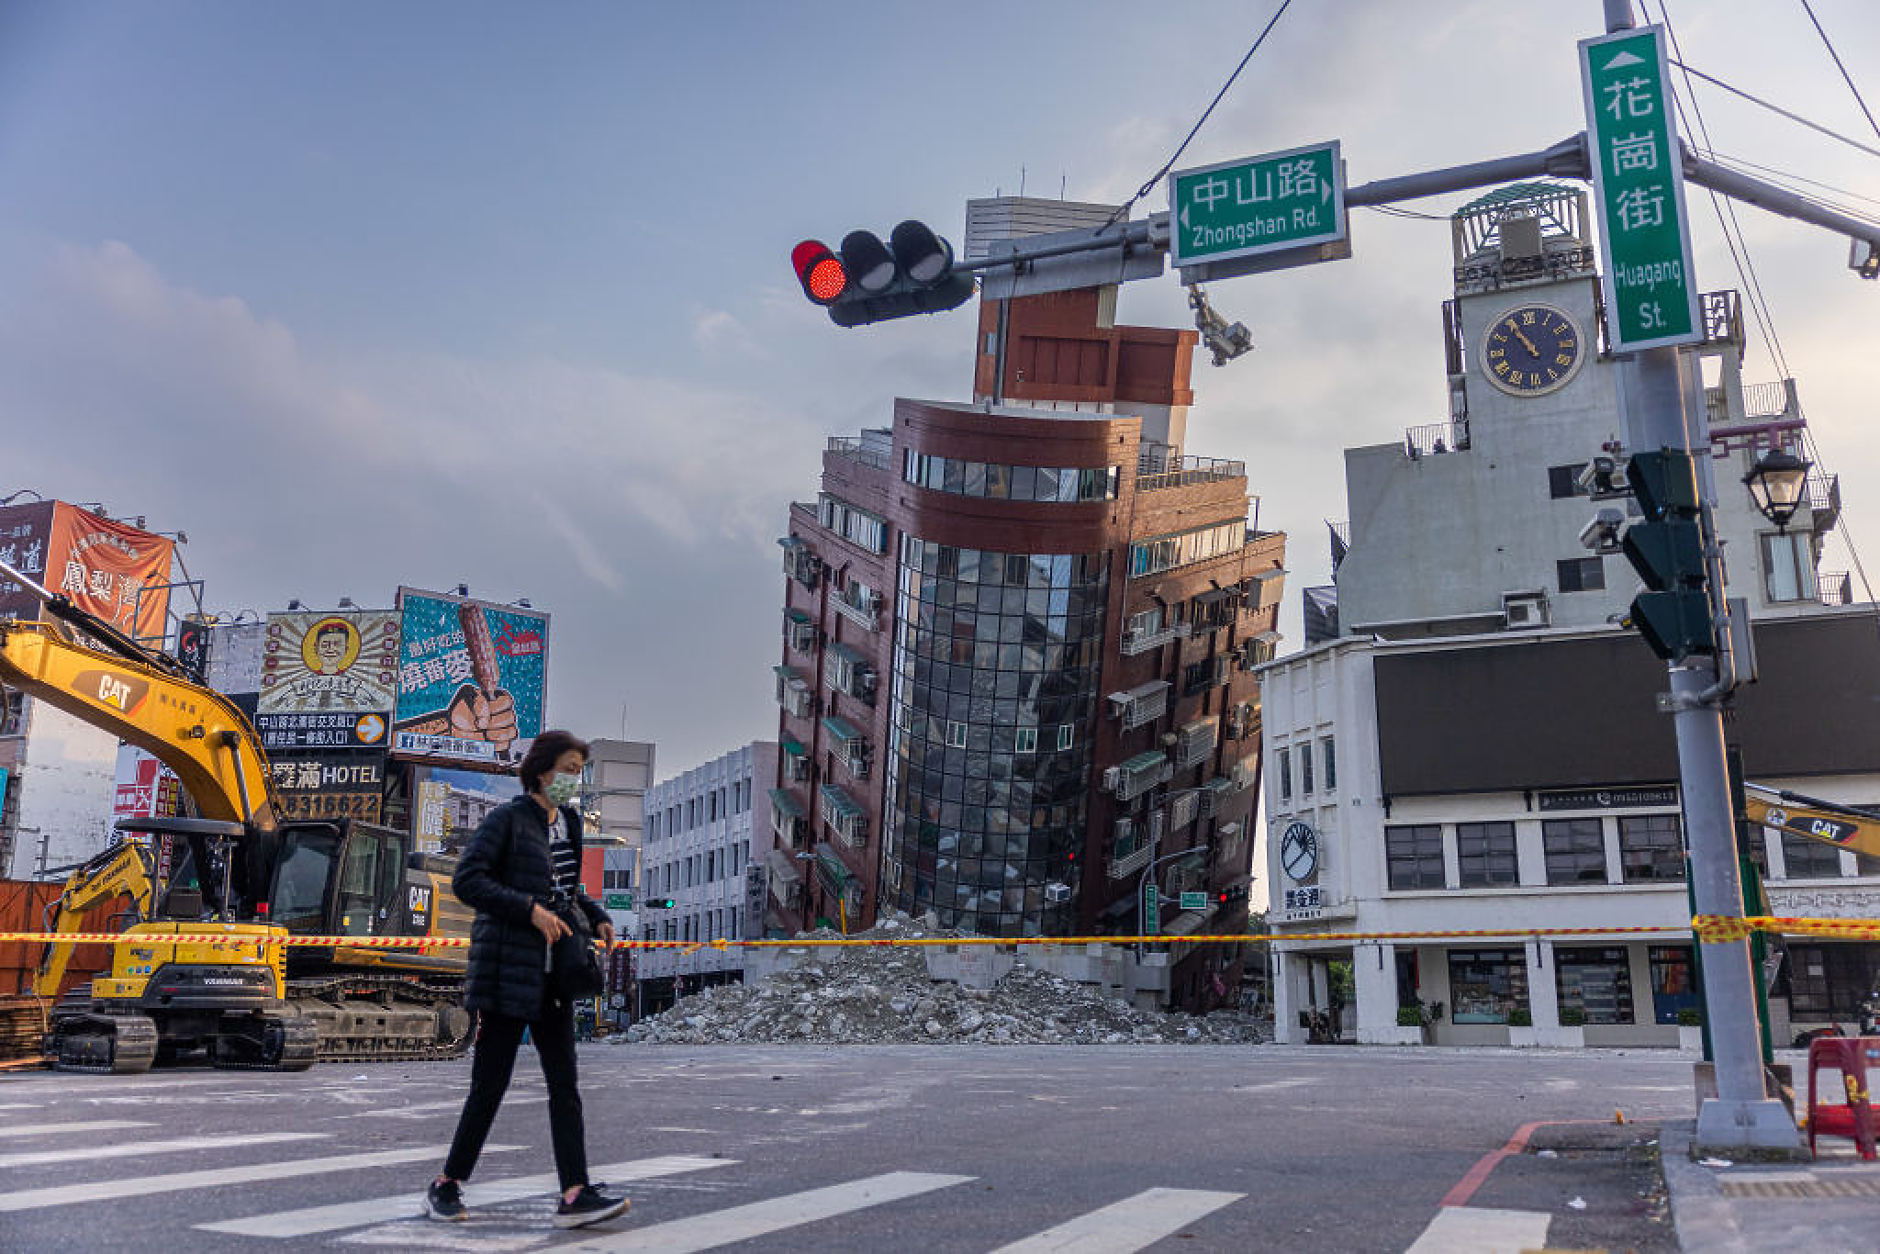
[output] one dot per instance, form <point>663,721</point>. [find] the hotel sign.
<point>1608,798</point>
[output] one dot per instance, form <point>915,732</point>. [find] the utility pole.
<point>1663,412</point>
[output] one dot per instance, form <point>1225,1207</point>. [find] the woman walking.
<point>525,856</point>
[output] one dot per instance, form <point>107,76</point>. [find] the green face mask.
<point>562,789</point>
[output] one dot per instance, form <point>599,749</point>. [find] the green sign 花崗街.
<point>1269,203</point>
<point>618,901</point>
<point>1194,901</point>
<point>1638,184</point>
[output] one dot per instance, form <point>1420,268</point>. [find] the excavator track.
<point>384,1018</point>
<point>102,1044</point>
<point>269,1042</point>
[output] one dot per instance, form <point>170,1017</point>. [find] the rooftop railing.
<point>1435,439</point>
<point>1191,470</point>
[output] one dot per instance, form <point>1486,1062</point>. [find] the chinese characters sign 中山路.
<point>1638,180</point>
<point>471,680</point>
<point>1273,202</point>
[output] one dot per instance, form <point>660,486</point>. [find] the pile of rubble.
<point>842,996</point>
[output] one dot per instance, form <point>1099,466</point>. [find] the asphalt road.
<point>868,1148</point>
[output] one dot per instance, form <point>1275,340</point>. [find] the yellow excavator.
<point>240,874</point>
<point>1844,826</point>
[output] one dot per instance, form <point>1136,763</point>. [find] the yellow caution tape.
<point>1709,928</point>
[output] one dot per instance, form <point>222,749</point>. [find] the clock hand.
<point>1525,341</point>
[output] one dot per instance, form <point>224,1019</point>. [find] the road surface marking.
<point>113,1189</point>
<point>1478,1230</point>
<point>1125,1226</point>
<point>293,1223</point>
<point>93,1125</point>
<point>425,1108</point>
<point>743,1223</point>
<point>1478,1174</point>
<point>134,1149</point>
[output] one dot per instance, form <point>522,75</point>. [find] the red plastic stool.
<point>1855,1120</point>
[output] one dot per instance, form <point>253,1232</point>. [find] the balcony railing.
<point>1837,587</point>
<point>1435,439</point>
<point>1135,642</point>
<point>852,448</point>
<point>866,614</point>
<point>1191,470</point>
<point>1769,400</point>
<point>1128,864</point>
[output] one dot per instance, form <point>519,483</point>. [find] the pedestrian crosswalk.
<point>293,1190</point>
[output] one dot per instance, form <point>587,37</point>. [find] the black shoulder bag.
<point>572,965</point>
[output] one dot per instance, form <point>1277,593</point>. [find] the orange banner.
<point>110,569</point>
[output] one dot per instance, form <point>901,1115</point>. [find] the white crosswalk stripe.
<point>742,1223</point>
<point>293,1223</point>
<point>136,1149</point>
<point>1482,1230</point>
<point>115,1189</point>
<point>90,1125</point>
<point>1125,1226</point>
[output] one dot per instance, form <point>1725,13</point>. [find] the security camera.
<point>1224,339</point>
<point>1863,258</point>
<point>1601,535</point>
<point>1603,479</point>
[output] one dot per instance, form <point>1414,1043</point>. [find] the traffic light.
<point>661,903</point>
<point>1667,551</point>
<point>873,282</point>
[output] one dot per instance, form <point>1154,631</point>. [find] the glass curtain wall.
<point>994,696</point>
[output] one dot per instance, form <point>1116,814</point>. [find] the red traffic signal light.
<point>819,271</point>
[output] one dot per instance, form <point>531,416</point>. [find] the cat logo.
<point>123,693</point>
<point>419,903</point>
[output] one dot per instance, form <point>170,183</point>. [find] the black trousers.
<point>497,1041</point>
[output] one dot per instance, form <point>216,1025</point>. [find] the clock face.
<point>1532,350</point>
<point>1299,851</point>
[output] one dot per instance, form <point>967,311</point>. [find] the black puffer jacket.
<point>503,874</point>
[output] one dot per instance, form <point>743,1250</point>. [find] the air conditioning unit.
<point>1057,894</point>
<point>1125,828</point>
<point>1112,778</point>
<point>1522,610</point>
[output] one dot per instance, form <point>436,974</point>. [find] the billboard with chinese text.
<point>472,679</point>
<point>109,569</point>
<point>330,663</point>
<point>330,786</point>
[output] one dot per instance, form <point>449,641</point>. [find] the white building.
<point>705,848</point>
<point>1480,749</point>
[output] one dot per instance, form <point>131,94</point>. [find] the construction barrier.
<point>1708,928</point>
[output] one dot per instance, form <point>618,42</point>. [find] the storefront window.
<point>1831,981</point>
<point>1674,985</point>
<point>1486,984</point>
<point>1597,981</point>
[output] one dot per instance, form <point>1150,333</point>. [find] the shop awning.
<point>796,615</point>
<point>793,747</point>
<point>852,656</point>
<point>841,729</point>
<point>784,802</point>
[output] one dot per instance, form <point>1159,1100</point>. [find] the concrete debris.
<point>885,996</point>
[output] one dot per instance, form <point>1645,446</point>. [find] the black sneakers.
<point>444,1201</point>
<point>590,1206</point>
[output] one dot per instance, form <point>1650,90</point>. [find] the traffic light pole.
<point>1659,409</point>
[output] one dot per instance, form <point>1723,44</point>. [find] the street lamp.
<point>1776,484</point>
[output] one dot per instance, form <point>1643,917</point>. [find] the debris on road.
<point>885,996</point>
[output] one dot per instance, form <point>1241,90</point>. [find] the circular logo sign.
<point>370,729</point>
<point>1299,851</point>
<point>330,646</point>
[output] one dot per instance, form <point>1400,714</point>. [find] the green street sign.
<point>1151,907</point>
<point>1638,184</point>
<point>1270,203</point>
<point>1194,901</point>
<point>618,901</point>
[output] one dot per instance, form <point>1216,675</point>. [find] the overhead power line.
<point>1148,186</point>
<point>1810,10</point>
<point>1773,108</point>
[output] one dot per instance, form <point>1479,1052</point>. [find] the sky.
<point>360,295</point>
